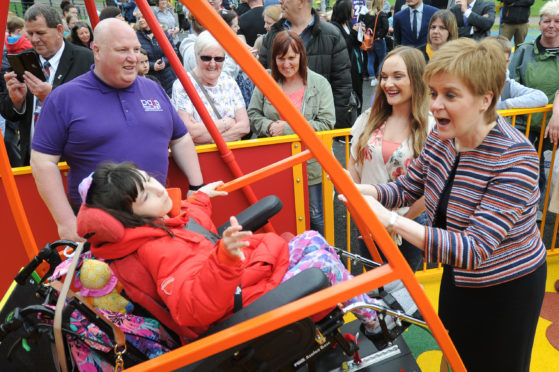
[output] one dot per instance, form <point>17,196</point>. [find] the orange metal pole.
<point>267,171</point>
<point>7,176</point>
<point>211,21</point>
<point>226,154</point>
<point>270,321</point>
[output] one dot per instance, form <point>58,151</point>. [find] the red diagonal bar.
<point>226,154</point>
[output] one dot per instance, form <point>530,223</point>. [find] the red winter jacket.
<point>189,275</point>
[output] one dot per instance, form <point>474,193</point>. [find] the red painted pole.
<point>226,154</point>
<point>8,180</point>
<point>91,12</point>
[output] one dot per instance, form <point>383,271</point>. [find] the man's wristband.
<point>195,188</point>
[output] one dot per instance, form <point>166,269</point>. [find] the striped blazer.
<point>492,236</point>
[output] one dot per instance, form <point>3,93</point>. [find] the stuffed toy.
<point>101,288</point>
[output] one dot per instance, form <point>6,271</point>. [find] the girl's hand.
<point>232,239</point>
<point>210,189</point>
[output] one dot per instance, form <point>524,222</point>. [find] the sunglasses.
<point>209,58</point>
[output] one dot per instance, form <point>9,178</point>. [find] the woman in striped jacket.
<point>479,177</point>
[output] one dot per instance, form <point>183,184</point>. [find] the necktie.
<point>466,23</point>
<point>414,23</point>
<point>46,70</point>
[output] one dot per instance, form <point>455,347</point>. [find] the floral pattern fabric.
<point>310,249</point>
<point>226,95</point>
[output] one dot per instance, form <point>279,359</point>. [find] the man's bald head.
<point>110,29</point>
<point>117,51</point>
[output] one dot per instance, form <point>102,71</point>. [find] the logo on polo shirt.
<point>151,104</point>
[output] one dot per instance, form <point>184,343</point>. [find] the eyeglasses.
<point>209,58</point>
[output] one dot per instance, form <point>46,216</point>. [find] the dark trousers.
<point>493,328</point>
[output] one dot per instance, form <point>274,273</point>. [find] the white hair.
<point>205,40</point>
<point>550,9</point>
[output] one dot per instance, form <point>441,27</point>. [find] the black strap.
<point>210,100</point>
<point>194,226</point>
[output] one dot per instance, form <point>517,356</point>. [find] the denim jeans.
<point>378,53</point>
<point>315,208</point>
<point>412,254</point>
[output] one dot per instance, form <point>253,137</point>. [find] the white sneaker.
<point>374,82</point>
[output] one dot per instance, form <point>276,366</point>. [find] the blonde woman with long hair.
<point>391,134</point>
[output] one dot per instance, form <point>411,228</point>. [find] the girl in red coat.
<point>193,277</point>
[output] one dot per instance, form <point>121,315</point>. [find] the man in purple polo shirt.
<point>107,114</point>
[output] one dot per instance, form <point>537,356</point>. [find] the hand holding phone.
<point>159,65</point>
<point>27,60</point>
<point>36,86</point>
<point>16,89</point>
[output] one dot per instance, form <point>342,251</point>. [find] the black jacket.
<point>326,55</point>
<point>355,57</point>
<point>166,76</point>
<point>516,11</point>
<point>75,61</point>
<point>382,24</point>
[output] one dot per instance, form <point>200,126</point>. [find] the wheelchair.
<point>318,344</point>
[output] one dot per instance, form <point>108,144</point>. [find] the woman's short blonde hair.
<point>480,65</point>
<point>550,9</point>
<point>272,11</point>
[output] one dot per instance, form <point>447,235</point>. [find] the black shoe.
<point>383,339</point>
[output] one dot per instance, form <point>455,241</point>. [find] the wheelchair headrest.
<point>98,226</point>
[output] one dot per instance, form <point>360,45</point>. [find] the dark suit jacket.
<point>482,25</point>
<point>402,27</point>
<point>75,61</point>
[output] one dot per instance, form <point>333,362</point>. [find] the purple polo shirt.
<point>88,123</point>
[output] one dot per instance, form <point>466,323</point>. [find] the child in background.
<point>514,94</point>
<point>143,66</point>
<point>16,41</point>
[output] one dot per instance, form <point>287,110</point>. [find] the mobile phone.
<point>28,60</point>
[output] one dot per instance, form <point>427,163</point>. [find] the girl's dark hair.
<point>114,188</point>
<point>341,12</point>
<point>74,34</point>
<point>280,47</point>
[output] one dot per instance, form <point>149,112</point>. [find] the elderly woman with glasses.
<point>219,92</point>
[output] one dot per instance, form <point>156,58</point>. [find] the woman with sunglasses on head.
<point>311,93</point>
<point>219,92</point>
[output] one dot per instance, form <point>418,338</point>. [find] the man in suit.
<point>410,24</point>
<point>62,61</point>
<point>474,17</point>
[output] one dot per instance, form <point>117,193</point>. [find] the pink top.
<point>388,148</point>
<point>296,98</point>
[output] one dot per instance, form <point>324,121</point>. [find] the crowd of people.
<point>432,125</point>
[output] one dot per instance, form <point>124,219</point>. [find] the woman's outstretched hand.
<point>233,239</point>
<point>210,189</point>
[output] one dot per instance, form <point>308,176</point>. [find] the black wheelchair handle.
<point>50,254</point>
